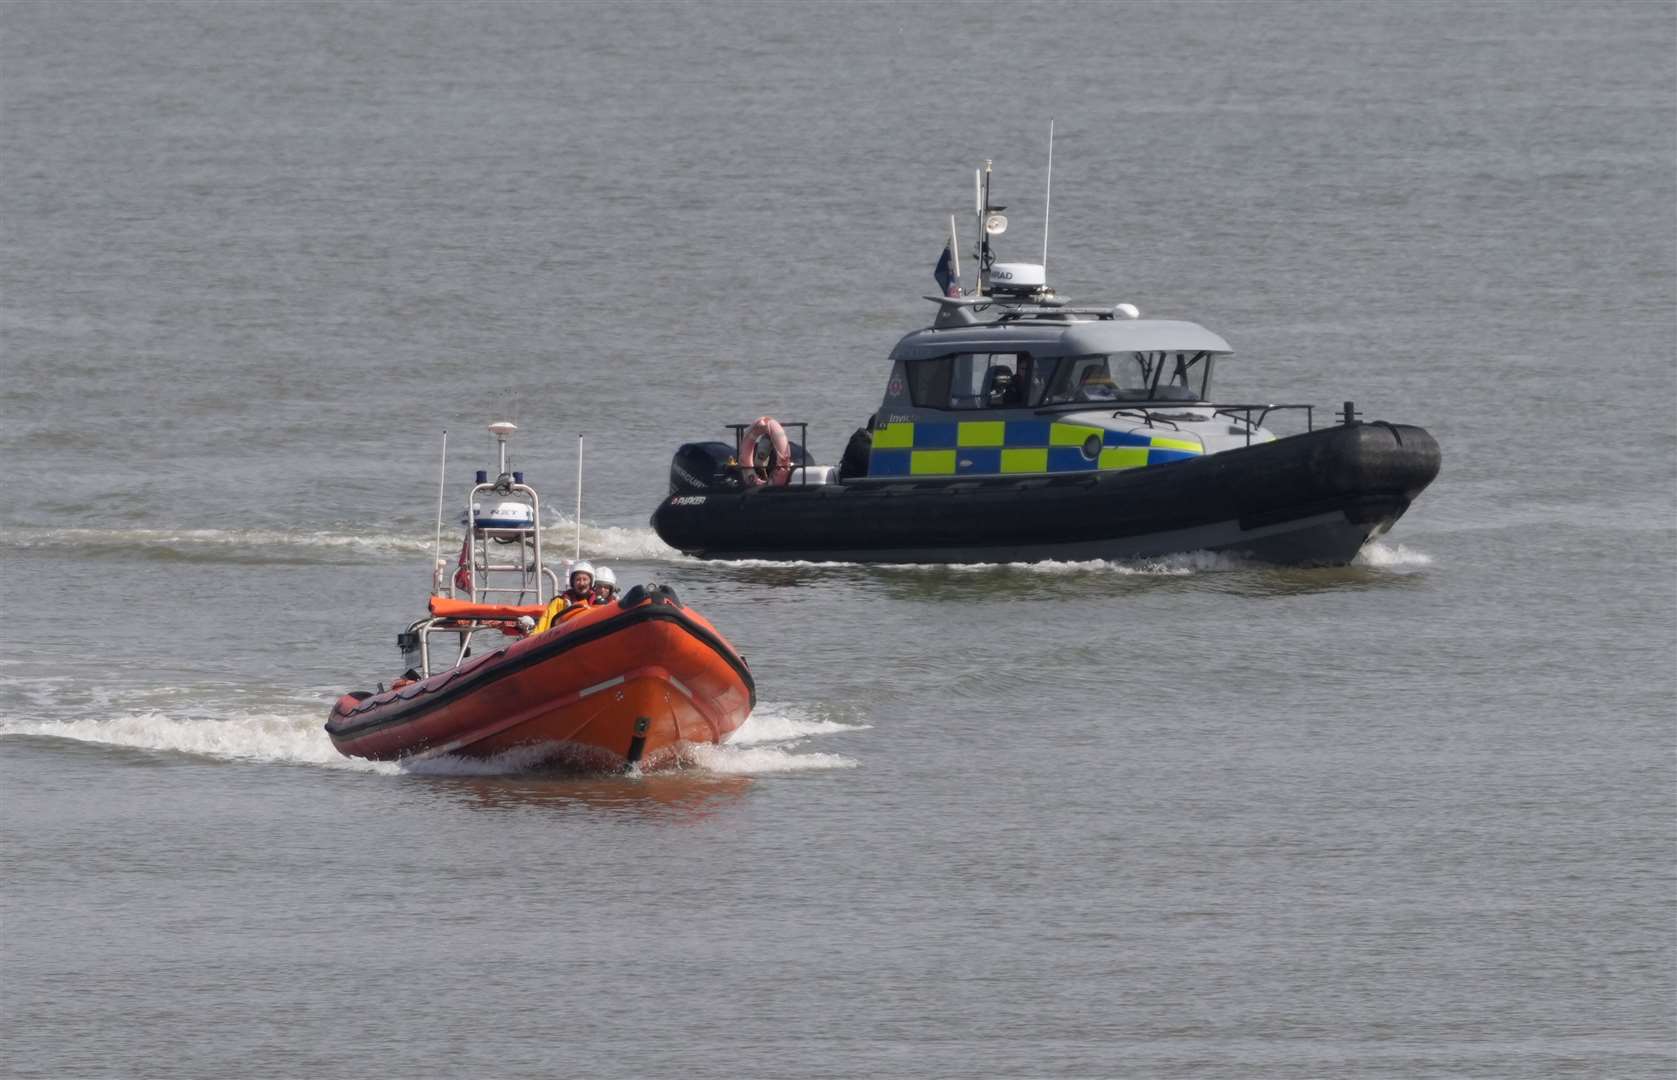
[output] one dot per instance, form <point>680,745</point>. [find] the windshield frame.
<point>1144,373</point>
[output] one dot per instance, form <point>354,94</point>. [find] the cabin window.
<point>1143,376</point>
<point>1183,376</point>
<point>993,381</point>
<point>1039,375</point>
<point>928,382</point>
<point>1103,377</point>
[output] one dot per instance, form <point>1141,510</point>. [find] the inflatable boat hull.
<point>1310,499</point>
<point>608,687</point>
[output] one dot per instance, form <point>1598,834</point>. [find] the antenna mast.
<point>579,498</point>
<point>985,258</point>
<point>1048,198</point>
<point>955,247</point>
<point>442,476</point>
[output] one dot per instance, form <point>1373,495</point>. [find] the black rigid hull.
<point>1309,499</point>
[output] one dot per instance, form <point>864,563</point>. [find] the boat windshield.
<point>1136,376</point>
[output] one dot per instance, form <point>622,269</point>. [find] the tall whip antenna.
<point>579,498</point>
<point>985,256</point>
<point>1048,198</point>
<point>442,474</point>
<point>955,247</point>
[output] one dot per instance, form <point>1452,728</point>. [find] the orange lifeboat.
<point>633,682</point>
<point>597,683</point>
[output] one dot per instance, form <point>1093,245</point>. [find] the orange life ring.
<point>778,469</point>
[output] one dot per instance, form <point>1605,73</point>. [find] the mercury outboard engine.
<point>709,466</point>
<point>702,466</point>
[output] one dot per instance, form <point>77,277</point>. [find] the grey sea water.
<point>1412,817</point>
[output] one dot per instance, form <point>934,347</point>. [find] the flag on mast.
<point>463,575</point>
<point>948,272</point>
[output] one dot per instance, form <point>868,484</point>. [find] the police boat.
<point>1020,427</point>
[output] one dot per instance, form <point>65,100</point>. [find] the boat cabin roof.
<point>1061,337</point>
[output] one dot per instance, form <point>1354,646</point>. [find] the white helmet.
<point>581,567</point>
<point>606,577</point>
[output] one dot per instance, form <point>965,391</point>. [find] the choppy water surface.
<point>1185,818</point>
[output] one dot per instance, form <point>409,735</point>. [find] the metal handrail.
<point>1263,410</point>
<point>477,534</point>
<point>465,629</point>
<point>1147,417</point>
<point>1152,414</point>
<point>739,431</point>
<point>1140,405</point>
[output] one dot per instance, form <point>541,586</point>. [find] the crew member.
<point>555,608</point>
<point>1095,384</point>
<point>582,583</point>
<point>580,594</point>
<point>605,586</point>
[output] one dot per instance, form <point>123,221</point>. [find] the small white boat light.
<point>995,224</point>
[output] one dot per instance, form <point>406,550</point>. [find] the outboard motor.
<point>702,467</point>
<point>413,654</point>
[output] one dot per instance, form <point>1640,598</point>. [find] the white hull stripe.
<point>607,685</point>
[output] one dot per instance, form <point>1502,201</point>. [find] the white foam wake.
<point>1376,554</point>
<point>212,542</point>
<point>1183,565</point>
<point>285,737</point>
<point>598,541</point>
<point>607,541</point>
<point>187,721</point>
<point>1384,556</point>
<point>770,741</point>
<point>757,760</point>
<point>783,723</point>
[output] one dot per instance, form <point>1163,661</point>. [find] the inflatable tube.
<point>1309,499</point>
<point>653,671</point>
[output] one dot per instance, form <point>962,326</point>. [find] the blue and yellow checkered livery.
<point>1017,447</point>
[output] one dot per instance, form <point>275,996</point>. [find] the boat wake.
<point>218,545</point>
<point>319,545</point>
<point>1384,556</point>
<point>1376,555</point>
<point>599,542</point>
<point>217,725</point>
<point>290,736</point>
<point>772,740</point>
<point>607,541</point>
